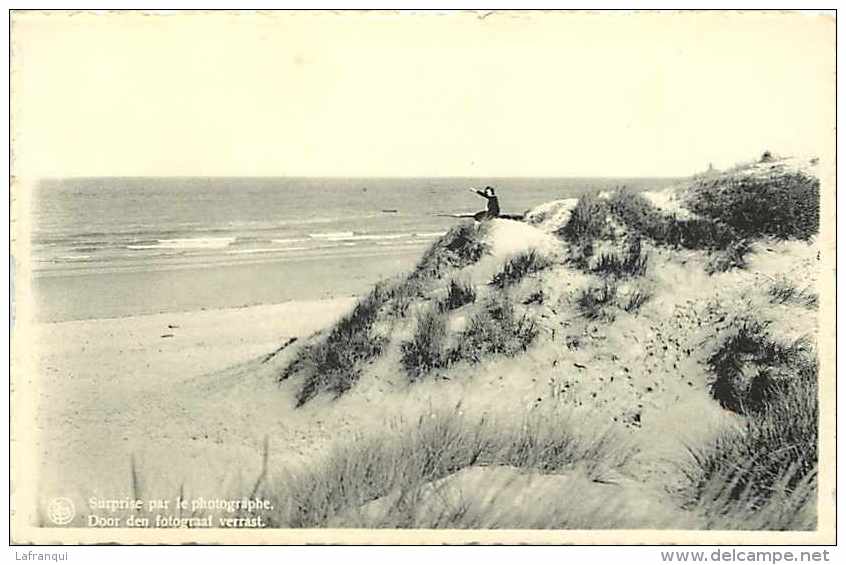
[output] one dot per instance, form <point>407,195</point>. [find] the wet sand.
<point>82,296</point>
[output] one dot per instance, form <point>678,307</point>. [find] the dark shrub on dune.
<point>535,297</point>
<point>587,220</point>
<point>782,291</point>
<point>638,214</point>
<point>518,267</point>
<point>731,210</point>
<point>784,206</point>
<point>588,223</point>
<point>458,294</point>
<point>400,295</point>
<point>698,233</point>
<point>594,302</point>
<point>732,257</point>
<point>632,264</point>
<point>334,363</point>
<point>728,248</point>
<point>496,329</point>
<point>426,350</point>
<point>461,246</point>
<point>599,302</point>
<point>764,475</point>
<point>750,367</point>
<point>643,217</point>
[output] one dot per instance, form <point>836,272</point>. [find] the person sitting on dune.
<point>493,204</point>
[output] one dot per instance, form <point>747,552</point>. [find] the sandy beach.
<point>178,393</point>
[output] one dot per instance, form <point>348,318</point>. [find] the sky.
<point>416,94</point>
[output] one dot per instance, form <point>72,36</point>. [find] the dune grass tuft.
<point>596,302</point>
<point>400,295</point>
<point>732,257</point>
<point>496,329</point>
<point>535,297</point>
<point>520,266</point>
<point>461,246</point>
<point>459,294</point>
<point>636,298</point>
<point>764,475</point>
<point>427,349</point>
<point>334,363</point>
<point>633,263</point>
<point>392,467</point>
<point>588,220</point>
<point>782,291</point>
<point>750,367</point>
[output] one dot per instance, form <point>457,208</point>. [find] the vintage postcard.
<point>423,277</point>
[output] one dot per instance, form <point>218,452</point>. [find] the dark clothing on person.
<point>493,204</point>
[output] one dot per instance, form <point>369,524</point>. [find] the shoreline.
<point>225,309</point>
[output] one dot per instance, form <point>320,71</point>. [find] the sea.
<point>104,247</point>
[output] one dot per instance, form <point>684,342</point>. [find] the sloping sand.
<point>495,496</point>
<point>181,394</point>
<point>507,237</point>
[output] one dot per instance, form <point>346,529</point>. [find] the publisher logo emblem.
<point>61,511</point>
